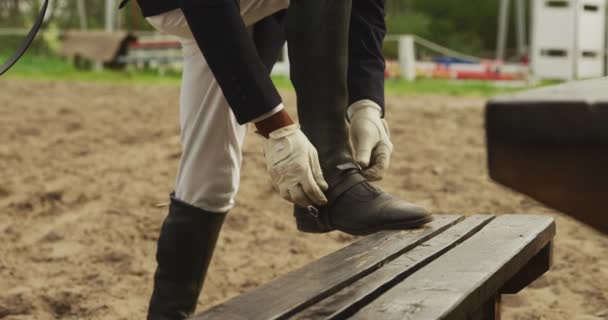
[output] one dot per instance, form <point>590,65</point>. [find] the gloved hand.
<point>294,168</point>
<point>370,136</point>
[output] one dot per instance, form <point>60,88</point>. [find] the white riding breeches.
<point>211,138</point>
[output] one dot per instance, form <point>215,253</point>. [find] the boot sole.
<point>309,226</point>
<point>414,224</point>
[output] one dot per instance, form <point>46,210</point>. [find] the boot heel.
<point>306,222</point>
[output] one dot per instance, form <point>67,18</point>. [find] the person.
<point>337,70</point>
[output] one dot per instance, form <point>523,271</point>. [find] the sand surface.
<point>84,167</point>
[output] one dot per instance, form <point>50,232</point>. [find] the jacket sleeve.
<point>221,34</point>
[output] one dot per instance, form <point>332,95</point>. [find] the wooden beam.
<point>298,290</point>
<point>457,283</point>
<point>352,298</point>
<point>552,145</point>
<point>533,270</point>
<point>489,310</point>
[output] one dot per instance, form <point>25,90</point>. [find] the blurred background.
<point>89,147</point>
<point>494,43</point>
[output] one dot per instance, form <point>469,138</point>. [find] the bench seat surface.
<point>446,270</point>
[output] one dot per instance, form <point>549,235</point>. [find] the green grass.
<point>57,69</point>
<point>430,87</point>
<point>447,87</point>
<point>51,68</point>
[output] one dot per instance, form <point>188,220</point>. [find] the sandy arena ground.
<point>84,167</point>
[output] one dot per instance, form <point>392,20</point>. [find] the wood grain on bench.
<point>454,269</point>
<point>452,286</point>
<point>346,301</point>
<point>304,287</point>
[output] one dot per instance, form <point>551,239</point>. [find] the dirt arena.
<point>86,168</point>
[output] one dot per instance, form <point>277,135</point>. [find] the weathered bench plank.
<point>454,285</point>
<point>552,144</point>
<point>346,301</point>
<point>297,290</point>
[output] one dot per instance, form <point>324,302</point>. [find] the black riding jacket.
<point>240,71</point>
<point>151,8</point>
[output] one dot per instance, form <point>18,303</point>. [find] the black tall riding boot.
<point>185,248</point>
<point>317,33</point>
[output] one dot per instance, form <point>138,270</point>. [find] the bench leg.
<point>537,266</point>
<point>488,311</point>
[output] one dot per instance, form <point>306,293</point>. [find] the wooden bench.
<point>552,144</point>
<point>99,48</point>
<point>456,268</point>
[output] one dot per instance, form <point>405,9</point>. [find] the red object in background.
<point>487,75</point>
<point>156,45</point>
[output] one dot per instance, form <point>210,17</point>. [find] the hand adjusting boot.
<point>371,139</point>
<point>358,208</point>
<point>317,33</point>
<point>293,164</point>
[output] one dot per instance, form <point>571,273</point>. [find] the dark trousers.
<point>366,62</point>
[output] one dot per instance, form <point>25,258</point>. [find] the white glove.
<point>370,136</point>
<point>293,164</point>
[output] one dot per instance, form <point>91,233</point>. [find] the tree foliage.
<point>64,14</point>
<point>464,25</point>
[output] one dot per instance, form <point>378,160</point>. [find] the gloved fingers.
<point>294,167</point>
<point>363,154</point>
<point>380,162</point>
<point>285,194</point>
<point>317,172</point>
<point>364,140</point>
<point>298,196</point>
<point>372,174</point>
<point>386,128</point>
<point>313,190</point>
